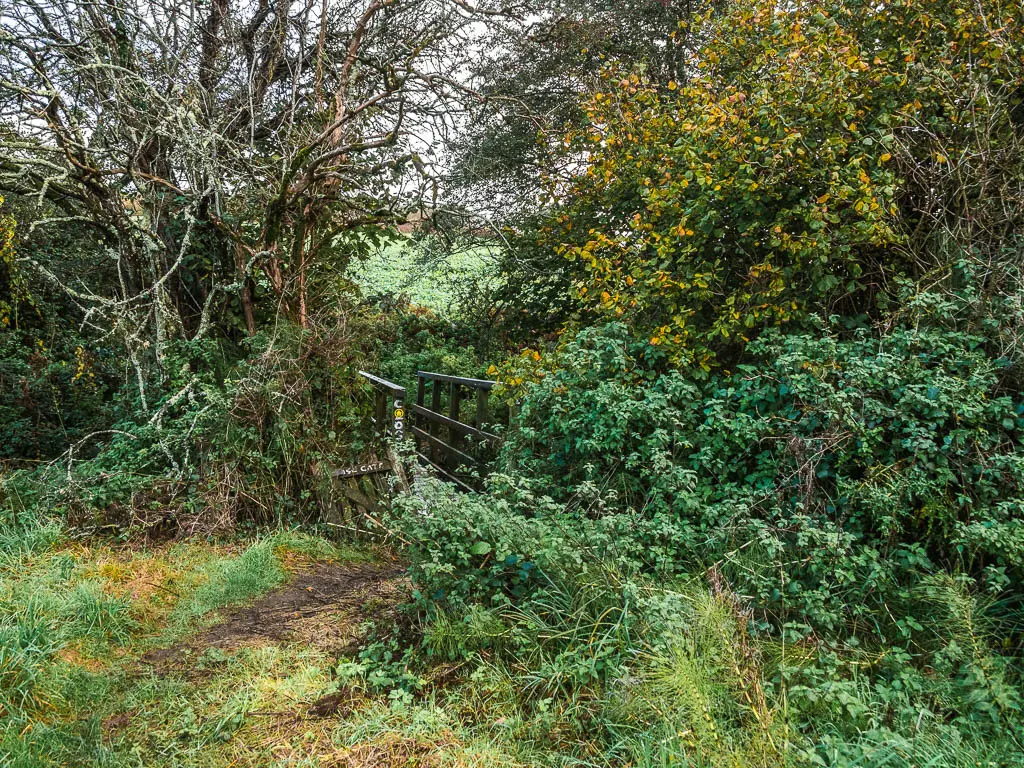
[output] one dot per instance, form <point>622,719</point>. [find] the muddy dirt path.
<point>322,607</point>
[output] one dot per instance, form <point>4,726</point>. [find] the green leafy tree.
<point>532,79</point>
<point>793,171</point>
<point>57,374</point>
<point>226,166</point>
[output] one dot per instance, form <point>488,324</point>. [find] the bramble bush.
<point>762,501</point>
<point>863,460</point>
<point>851,498</point>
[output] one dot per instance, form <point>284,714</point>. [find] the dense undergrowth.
<point>812,560</point>
<point>762,500</point>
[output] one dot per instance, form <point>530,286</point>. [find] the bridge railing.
<point>453,433</point>
<point>453,429</point>
<point>389,415</point>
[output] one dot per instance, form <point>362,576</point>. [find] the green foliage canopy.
<point>795,171</point>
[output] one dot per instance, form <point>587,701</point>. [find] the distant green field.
<point>429,277</point>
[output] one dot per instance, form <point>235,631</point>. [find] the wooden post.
<point>390,421</point>
<point>454,401</point>
<point>435,406</point>
<point>396,415</point>
<point>482,396</point>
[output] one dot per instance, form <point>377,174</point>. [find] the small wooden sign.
<point>369,468</point>
<point>398,425</point>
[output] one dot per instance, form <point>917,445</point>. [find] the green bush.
<point>472,548</point>
<point>58,376</point>
<point>239,436</point>
<point>55,388</point>
<point>806,553</point>
<point>862,462</point>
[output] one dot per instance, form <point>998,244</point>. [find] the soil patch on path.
<point>322,607</point>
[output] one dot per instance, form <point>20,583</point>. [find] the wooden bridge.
<point>452,425</point>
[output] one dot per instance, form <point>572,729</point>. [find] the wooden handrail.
<point>449,442</point>
<point>466,459</point>
<point>377,381</point>
<point>473,383</point>
<point>389,407</point>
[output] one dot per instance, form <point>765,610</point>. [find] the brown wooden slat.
<point>435,406</point>
<point>482,396</point>
<point>468,460</point>
<point>369,467</point>
<point>444,421</point>
<point>381,409</point>
<point>444,472</point>
<point>454,401</point>
<point>380,383</point>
